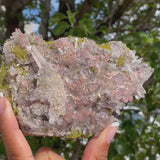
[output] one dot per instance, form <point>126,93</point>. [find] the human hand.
<point>17,147</point>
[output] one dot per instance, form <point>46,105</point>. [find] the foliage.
<point>134,22</point>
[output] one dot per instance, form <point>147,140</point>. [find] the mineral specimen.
<point>70,87</point>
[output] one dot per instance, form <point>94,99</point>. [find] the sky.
<point>33,26</point>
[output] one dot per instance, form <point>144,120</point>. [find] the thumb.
<point>15,143</point>
<point>97,148</point>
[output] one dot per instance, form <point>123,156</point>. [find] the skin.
<point>17,147</point>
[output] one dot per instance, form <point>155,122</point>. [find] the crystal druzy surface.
<point>70,87</point>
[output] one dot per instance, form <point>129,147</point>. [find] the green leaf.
<point>150,103</point>
<point>60,28</point>
<point>2,148</point>
<point>122,146</point>
<point>86,25</point>
<point>158,119</point>
<point>142,34</point>
<point>141,155</point>
<point>156,46</point>
<point>157,74</point>
<point>56,18</point>
<point>131,133</point>
<point>104,29</point>
<point>75,31</point>
<point>71,17</point>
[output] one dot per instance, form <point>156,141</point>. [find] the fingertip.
<point>4,105</point>
<point>7,103</point>
<point>111,131</point>
<point>99,145</point>
<point>1,94</point>
<point>47,153</point>
<point>108,133</point>
<point>43,149</point>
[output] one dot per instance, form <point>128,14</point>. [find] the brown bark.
<point>13,14</point>
<point>45,18</point>
<point>115,15</point>
<point>76,151</point>
<point>86,8</point>
<point>12,22</point>
<point>65,5</point>
<point>117,12</point>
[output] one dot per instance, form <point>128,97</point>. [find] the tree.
<point>13,14</point>
<point>135,22</point>
<point>45,9</point>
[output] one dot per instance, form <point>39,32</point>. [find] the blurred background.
<point>136,23</point>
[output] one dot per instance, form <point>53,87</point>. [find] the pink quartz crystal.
<point>70,87</point>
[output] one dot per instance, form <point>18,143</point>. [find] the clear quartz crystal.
<point>70,87</point>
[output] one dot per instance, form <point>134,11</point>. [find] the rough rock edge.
<point>74,106</point>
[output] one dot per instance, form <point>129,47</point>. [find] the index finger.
<point>15,143</point>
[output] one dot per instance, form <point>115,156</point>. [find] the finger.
<point>97,148</point>
<point>47,153</point>
<point>15,143</point>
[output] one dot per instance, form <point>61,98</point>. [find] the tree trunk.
<point>86,8</point>
<point>13,21</point>
<point>65,5</point>
<point>13,14</point>
<point>76,151</point>
<point>45,9</point>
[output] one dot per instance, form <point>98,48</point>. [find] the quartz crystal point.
<point>70,87</point>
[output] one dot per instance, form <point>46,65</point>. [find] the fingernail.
<point>112,131</point>
<point>1,103</point>
<point>1,94</point>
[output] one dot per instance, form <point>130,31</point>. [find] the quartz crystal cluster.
<point>70,87</point>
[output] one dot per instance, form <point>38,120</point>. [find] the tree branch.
<point>45,18</point>
<point>146,22</point>
<point>15,5</point>
<point>86,8</point>
<point>116,14</point>
<point>65,5</point>
<point>76,150</point>
<point>136,109</point>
